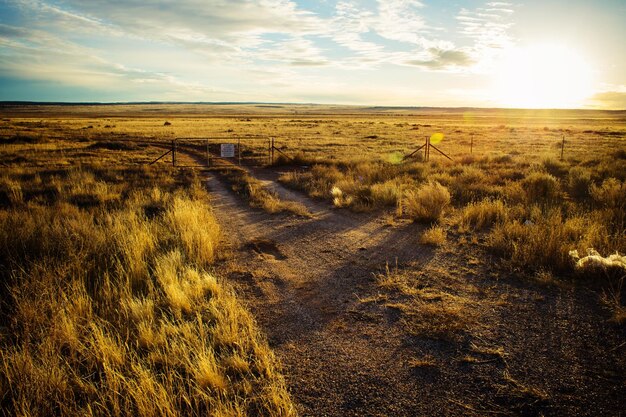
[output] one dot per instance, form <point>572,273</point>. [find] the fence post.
<point>562,147</point>
<point>472,144</point>
<point>208,154</point>
<point>174,153</point>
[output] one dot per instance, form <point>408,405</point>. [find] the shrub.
<point>387,193</point>
<point>434,236</point>
<point>545,240</point>
<point>620,154</point>
<point>540,187</point>
<point>11,191</point>
<point>427,203</point>
<point>578,183</point>
<point>554,167</point>
<point>483,214</point>
<point>611,194</point>
<point>611,198</point>
<point>262,197</point>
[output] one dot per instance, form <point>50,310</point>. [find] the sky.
<point>552,53</point>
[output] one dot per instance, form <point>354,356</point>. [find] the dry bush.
<point>426,203</point>
<point>471,184</point>
<point>108,311</point>
<point>364,185</point>
<point>340,199</point>
<point>298,158</point>
<point>486,213</point>
<point>10,191</point>
<point>554,167</point>
<point>434,236</point>
<point>388,193</point>
<point>318,182</point>
<point>544,240</point>
<point>540,188</point>
<point>578,183</point>
<point>610,197</point>
<point>610,194</point>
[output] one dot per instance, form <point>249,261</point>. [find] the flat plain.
<point>341,277</point>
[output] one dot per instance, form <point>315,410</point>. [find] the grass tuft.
<point>427,203</point>
<point>434,236</point>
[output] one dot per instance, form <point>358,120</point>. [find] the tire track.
<point>303,294</point>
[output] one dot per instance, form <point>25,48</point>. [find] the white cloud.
<point>349,24</point>
<point>38,55</point>
<point>295,51</point>
<point>436,59</point>
<point>399,20</point>
<point>488,30</point>
<point>609,96</point>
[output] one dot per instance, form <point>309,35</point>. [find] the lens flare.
<point>436,138</point>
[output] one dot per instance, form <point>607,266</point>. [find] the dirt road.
<point>306,281</point>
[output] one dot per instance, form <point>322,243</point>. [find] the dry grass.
<point>434,236</point>
<point>108,308</point>
<point>261,197</point>
<point>483,214</point>
<point>426,311</point>
<point>612,298</point>
<point>427,203</point>
<point>424,362</point>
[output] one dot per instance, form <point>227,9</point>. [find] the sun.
<point>543,76</point>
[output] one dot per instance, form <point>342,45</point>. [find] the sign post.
<point>227,150</point>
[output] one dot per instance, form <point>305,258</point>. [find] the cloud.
<point>488,28</point>
<point>214,29</point>
<point>347,27</point>
<point>227,20</point>
<point>399,20</point>
<point>295,51</point>
<point>443,58</point>
<point>250,46</point>
<point>38,55</point>
<point>613,97</point>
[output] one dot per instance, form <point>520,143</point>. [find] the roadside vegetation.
<point>533,213</point>
<point>259,195</point>
<point>109,305</point>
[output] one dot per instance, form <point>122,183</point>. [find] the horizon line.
<point>223,103</point>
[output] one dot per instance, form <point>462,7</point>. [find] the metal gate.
<point>219,151</point>
<point>246,150</point>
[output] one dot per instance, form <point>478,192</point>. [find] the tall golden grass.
<point>108,306</point>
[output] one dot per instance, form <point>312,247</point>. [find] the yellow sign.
<point>436,138</point>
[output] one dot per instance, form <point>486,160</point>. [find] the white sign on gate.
<point>227,150</point>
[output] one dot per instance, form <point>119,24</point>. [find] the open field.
<point>384,286</point>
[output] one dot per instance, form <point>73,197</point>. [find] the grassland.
<point>456,251</point>
<point>109,305</point>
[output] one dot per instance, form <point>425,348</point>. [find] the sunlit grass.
<point>109,308</point>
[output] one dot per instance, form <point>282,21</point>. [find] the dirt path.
<point>307,274</point>
<point>306,280</point>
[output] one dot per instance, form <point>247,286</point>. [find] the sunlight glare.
<point>543,76</point>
